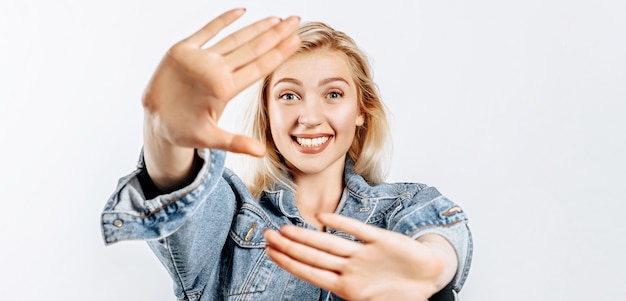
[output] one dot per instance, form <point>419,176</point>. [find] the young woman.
<point>316,222</point>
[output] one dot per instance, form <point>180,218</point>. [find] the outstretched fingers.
<point>319,277</point>
<point>364,232</point>
<point>215,137</point>
<point>267,62</point>
<point>211,29</point>
<point>244,35</point>
<point>265,41</point>
<point>303,253</point>
<point>322,241</point>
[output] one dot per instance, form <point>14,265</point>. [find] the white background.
<point>514,109</point>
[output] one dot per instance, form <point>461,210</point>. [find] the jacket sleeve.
<point>186,228</point>
<point>427,211</point>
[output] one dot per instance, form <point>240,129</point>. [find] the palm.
<point>386,266</point>
<point>192,86</point>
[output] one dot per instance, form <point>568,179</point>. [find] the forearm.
<point>444,250</point>
<point>168,165</point>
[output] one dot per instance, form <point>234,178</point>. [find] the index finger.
<point>267,62</point>
<point>322,241</point>
<point>360,230</point>
<point>207,32</point>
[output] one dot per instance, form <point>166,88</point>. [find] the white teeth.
<point>312,142</point>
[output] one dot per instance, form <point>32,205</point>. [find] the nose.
<point>311,114</point>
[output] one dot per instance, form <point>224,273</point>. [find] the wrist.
<point>167,164</point>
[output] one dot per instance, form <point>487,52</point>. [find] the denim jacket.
<point>208,235</point>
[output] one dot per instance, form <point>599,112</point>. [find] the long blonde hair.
<point>370,148</point>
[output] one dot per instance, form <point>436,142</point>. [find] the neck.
<point>319,193</point>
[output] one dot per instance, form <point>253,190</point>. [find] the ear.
<point>360,120</point>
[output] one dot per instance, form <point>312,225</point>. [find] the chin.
<point>316,165</point>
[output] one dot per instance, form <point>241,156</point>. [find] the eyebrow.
<point>321,83</point>
<point>333,79</point>
<point>288,80</point>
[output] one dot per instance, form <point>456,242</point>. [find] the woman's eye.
<point>288,96</point>
<point>334,95</point>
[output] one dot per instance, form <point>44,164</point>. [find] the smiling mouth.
<point>311,142</point>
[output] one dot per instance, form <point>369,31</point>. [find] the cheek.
<point>345,117</point>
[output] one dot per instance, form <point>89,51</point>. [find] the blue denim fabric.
<point>209,237</point>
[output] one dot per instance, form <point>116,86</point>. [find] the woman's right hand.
<point>192,85</point>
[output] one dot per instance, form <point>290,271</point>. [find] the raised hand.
<point>386,266</point>
<point>192,85</point>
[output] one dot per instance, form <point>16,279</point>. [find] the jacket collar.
<point>358,200</point>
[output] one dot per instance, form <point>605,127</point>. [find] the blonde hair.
<point>370,148</point>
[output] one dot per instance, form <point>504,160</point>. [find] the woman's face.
<point>313,110</point>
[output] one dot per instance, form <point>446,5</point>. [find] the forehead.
<point>313,66</point>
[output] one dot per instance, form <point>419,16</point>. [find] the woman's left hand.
<point>386,266</point>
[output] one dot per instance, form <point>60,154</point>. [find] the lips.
<point>311,144</point>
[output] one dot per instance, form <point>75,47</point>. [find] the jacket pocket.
<point>251,269</point>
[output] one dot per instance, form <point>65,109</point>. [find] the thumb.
<point>236,143</point>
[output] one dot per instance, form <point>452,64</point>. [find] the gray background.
<point>514,109</point>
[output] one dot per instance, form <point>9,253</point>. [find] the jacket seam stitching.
<point>415,210</point>
<point>180,278</point>
<point>428,226</point>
